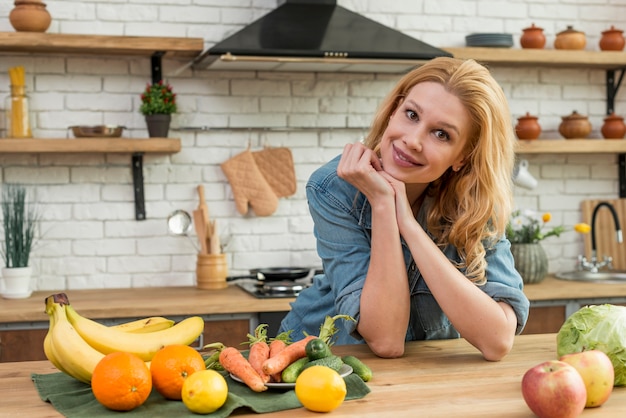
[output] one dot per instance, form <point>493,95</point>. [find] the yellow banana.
<point>74,355</point>
<point>150,324</point>
<point>48,349</point>
<point>108,340</point>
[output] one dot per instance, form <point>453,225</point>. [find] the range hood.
<point>317,35</point>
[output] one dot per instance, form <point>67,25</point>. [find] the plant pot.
<point>158,125</point>
<point>531,262</point>
<point>16,282</point>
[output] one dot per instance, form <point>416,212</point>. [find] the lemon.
<point>320,389</point>
<point>204,391</point>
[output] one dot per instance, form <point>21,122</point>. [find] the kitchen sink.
<point>609,276</point>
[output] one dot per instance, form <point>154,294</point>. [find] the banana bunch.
<point>75,344</point>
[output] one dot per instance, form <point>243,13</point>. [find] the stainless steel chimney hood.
<point>317,35</point>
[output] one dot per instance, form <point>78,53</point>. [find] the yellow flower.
<point>546,217</point>
<point>582,228</point>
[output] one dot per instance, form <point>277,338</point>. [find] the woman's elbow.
<point>497,350</point>
<point>385,349</point>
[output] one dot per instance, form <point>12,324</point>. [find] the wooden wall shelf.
<point>571,146</point>
<point>85,145</point>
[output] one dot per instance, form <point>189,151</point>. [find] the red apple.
<point>554,389</point>
<point>597,372</point>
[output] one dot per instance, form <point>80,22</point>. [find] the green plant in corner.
<point>19,222</point>
<point>158,98</point>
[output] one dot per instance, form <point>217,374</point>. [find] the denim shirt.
<point>342,218</point>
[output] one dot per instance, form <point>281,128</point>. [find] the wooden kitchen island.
<point>231,313</point>
<point>447,378</point>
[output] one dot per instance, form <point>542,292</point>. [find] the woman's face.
<point>426,135</point>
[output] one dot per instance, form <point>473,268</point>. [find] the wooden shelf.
<point>607,60</point>
<point>84,145</point>
<point>99,44</point>
<point>571,146</point>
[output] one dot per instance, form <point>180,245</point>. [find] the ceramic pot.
<point>158,125</point>
<point>533,37</point>
<point>570,39</point>
<point>531,262</point>
<point>30,16</point>
<point>527,127</point>
<point>612,40</point>
<point>575,126</point>
<point>16,282</point>
<point>613,127</point>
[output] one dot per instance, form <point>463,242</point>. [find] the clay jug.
<point>612,40</point>
<point>570,39</point>
<point>30,16</point>
<point>613,127</point>
<point>575,126</point>
<point>527,127</point>
<point>533,37</point>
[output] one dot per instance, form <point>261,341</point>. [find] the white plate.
<point>343,372</point>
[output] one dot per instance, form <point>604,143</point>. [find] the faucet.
<point>594,265</point>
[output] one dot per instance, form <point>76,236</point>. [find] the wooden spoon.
<point>198,220</point>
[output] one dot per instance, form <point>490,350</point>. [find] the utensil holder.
<point>211,271</point>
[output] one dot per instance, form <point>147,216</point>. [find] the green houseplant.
<point>158,102</point>
<point>19,223</point>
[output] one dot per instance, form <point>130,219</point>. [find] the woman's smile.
<point>402,159</point>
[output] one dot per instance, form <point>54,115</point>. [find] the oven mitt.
<point>249,186</point>
<point>276,165</point>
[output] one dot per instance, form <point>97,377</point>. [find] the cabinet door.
<point>230,332</point>
<point>545,319</point>
<point>22,345</point>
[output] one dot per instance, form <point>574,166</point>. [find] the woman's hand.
<point>361,167</point>
<point>404,211</point>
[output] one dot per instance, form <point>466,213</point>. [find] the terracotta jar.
<point>533,37</point>
<point>527,127</point>
<point>575,126</point>
<point>570,39</point>
<point>614,127</point>
<point>612,40</point>
<point>30,16</point>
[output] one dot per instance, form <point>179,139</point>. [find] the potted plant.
<point>19,223</point>
<point>158,102</point>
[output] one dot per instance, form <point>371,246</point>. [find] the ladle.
<point>179,223</point>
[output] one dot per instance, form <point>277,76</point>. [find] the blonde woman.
<point>410,224</point>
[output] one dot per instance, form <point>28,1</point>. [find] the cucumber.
<point>332,361</point>
<point>291,373</point>
<point>317,349</point>
<point>358,367</point>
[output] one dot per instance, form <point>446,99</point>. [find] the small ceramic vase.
<point>575,126</point>
<point>527,127</point>
<point>30,16</point>
<point>612,40</point>
<point>613,127</point>
<point>533,37</point>
<point>570,39</point>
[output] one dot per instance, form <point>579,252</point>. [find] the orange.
<point>171,365</point>
<point>121,381</point>
<point>320,389</point>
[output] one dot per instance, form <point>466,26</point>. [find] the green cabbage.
<point>597,327</point>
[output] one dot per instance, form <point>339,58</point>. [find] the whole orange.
<point>121,381</point>
<point>171,365</point>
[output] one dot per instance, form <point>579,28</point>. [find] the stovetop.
<point>263,289</point>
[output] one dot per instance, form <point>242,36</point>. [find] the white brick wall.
<point>89,237</point>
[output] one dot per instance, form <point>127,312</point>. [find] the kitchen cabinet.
<point>154,47</point>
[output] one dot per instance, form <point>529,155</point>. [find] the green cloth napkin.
<point>74,399</point>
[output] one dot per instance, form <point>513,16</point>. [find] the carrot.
<point>234,362</point>
<point>259,351</point>
<point>287,356</point>
<point>276,346</point>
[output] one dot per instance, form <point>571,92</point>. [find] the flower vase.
<point>16,282</point>
<point>531,261</point>
<point>158,125</point>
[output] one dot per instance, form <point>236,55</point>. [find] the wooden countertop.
<point>185,301</point>
<point>446,378</point>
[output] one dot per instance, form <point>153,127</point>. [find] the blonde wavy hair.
<point>472,206</point>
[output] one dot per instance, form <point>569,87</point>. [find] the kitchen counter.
<point>443,378</point>
<point>185,301</point>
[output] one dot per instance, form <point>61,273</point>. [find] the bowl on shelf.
<point>100,131</point>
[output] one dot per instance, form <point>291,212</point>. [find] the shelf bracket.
<point>612,86</point>
<point>157,69</point>
<point>621,166</point>
<point>137,168</point>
